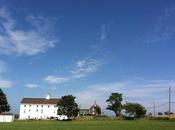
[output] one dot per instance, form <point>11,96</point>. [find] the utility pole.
<point>154,109</point>
<point>169,102</point>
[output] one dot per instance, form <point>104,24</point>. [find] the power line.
<point>160,105</point>
<point>156,106</point>
<point>169,103</point>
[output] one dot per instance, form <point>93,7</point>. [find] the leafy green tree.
<point>98,110</point>
<point>114,103</point>
<point>68,106</point>
<point>4,106</point>
<point>135,109</point>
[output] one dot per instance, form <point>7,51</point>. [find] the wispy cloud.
<point>103,36</point>
<point>164,29</point>
<point>5,84</point>
<point>18,41</point>
<point>82,68</point>
<point>31,85</point>
<point>85,67</point>
<point>55,80</point>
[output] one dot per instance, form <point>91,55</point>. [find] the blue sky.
<point>88,48</point>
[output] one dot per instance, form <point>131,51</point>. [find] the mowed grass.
<point>90,125</point>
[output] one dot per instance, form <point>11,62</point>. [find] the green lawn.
<point>90,125</point>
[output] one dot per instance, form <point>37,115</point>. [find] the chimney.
<point>48,96</point>
<point>95,104</point>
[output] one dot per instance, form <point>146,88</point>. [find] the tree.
<point>114,103</point>
<point>98,110</point>
<point>68,106</point>
<point>134,109</point>
<point>4,106</point>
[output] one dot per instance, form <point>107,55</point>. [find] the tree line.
<point>68,106</point>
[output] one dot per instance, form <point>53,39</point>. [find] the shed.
<point>7,117</point>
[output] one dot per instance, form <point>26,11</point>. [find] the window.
<point>24,111</point>
<point>29,110</point>
<point>28,117</point>
<point>36,110</point>
<point>48,106</point>
<point>36,105</point>
<point>24,105</point>
<point>41,110</point>
<point>29,105</point>
<point>41,105</point>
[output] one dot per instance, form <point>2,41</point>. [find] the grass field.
<point>90,125</point>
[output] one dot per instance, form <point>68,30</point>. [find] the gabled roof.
<point>40,101</point>
<point>94,106</point>
<point>4,113</point>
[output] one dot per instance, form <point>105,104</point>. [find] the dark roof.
<point>40,101</point>
<point>6,113</point>
<point>84,109</point>
<point>95,106</point>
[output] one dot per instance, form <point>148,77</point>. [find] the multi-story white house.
<point>38,108</point>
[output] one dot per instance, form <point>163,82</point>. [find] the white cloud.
<point>30,85</point>
<point>81,69</point>
<point>56,80</point>
<point>85,67</point>
<point>5,84</point>
<point>18,41</point>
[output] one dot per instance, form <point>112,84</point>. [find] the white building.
<point>38,108</point>
<point>6,117</point>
